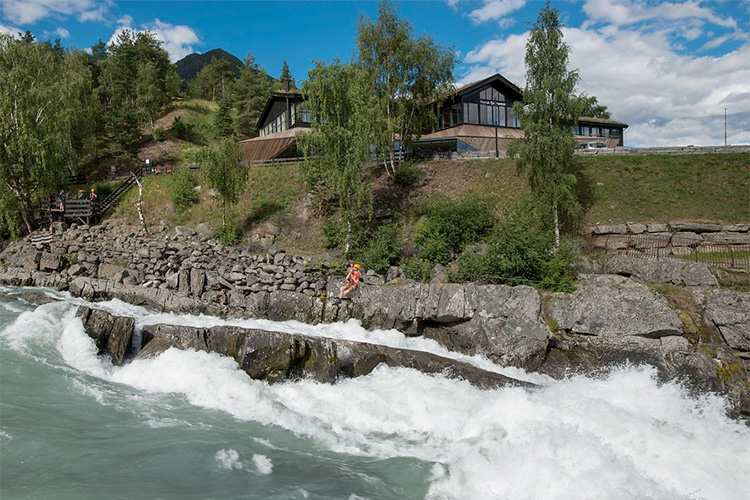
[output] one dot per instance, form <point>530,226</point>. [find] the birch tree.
<point>409,75</point>
<point>40,92</point>
<point>221,169</point>
<point>339,98</point>
<point>547,115</point>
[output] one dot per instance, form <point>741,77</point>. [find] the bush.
<point>519,251</point>
<point>383,250</point>
<point>417,269</point>
<point>182,191</point>
<point>450,226</point>
<point>229,233</point>
<point>183,130</point>
<point>405,176</point>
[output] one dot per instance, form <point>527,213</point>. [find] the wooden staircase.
<point>114,196</point>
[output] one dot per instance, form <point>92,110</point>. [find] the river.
<point>191,425</point>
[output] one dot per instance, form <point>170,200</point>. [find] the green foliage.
<point>182,190</point>
<point>399,65</point>
<point>9,223</point>
<point>228,233</point>
<point>136,81</point>
<point>221,169</point>
<point>250,93</point>
<point>285,76</point>
<point>416,268</point>
<point>382,250</point>
<point>159,134</point>
<point>41,97</point>
<point>183,130</point>
<point>405,175</point>
<point>547,113</point>
<point>223,119</point>
<point>214,80</point>
<point>338,145</point>
<point>519,251</point>
<point>449,226</point>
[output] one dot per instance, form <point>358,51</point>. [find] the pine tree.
<point>286,76</point>
<point>251,91</point>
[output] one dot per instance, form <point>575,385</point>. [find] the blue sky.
<point>668,69</point>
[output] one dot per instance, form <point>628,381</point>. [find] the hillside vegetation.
<point>640,188</point>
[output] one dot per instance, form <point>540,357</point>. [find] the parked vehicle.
<point>592,145</point>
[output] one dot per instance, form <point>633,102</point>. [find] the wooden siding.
<point>268,146</point>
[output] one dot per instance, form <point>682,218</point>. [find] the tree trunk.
<point>557,227</point>
<point>139,203</point>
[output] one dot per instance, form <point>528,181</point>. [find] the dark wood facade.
<point>475,117</point>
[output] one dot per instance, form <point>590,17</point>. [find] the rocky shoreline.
<point>670,314</point>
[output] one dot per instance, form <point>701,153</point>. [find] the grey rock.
<point>727,238</point>
<point>657,228</point>
<point>184,231</point>
<point>635,228</point>
<point>50,262</point>
<point>729,311</point>
<point>697,227</point>
<point>667,271</point>
<point>277,357</point>
<point>630,311</point>
<point>612,229</point>
<point>112,334</point>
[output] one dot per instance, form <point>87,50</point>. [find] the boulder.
<point>277,357</point>
<point>729,311</point>
<point>112,334</point>
<point>696,227</point>
<point>630,310</point>
<point>667,271</point>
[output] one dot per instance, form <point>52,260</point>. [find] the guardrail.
<point>673,246</point>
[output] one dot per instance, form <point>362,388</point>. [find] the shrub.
<point>519,251</point>
<point>417,269</point>
<point>182,191</point>
<point>383,249</point>
<point>229,233</point>
<point>449,226</point>
<point>183,130</point>
<point>405,176</point>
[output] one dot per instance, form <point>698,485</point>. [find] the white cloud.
<point>493,10</point>
<point>9,30</point>
<point>666,98</point>
<point>30,11</point>
<point>177,40</point>
<point>626,12</point>
<point>61,32</point>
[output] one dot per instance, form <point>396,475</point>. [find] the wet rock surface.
<point>614,317</point>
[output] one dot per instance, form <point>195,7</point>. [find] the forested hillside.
<point>67,112</point>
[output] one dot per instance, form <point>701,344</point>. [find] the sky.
<point>677,72</point>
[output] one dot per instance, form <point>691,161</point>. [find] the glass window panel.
<point>512,118</point>
<point>471,112</point>
<point>501,116</point>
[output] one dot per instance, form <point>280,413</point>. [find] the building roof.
<point>293,95</point>
<point>602,121</point>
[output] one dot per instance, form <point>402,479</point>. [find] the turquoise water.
<point>191,425</point>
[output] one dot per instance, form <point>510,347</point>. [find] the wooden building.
<point>475,117</point>
<point>280,122</point>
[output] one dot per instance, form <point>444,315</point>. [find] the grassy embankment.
<point>618,189</point>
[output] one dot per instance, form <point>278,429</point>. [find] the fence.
<point>673,246</point>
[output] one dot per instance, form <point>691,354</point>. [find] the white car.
<point>592,145</point>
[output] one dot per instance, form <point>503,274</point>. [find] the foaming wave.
<point>620,436</point>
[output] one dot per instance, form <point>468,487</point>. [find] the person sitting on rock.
<point>353,278</point>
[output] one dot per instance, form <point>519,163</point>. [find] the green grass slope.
<point>714,187</point>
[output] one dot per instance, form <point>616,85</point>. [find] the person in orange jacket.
<point>352,277</point>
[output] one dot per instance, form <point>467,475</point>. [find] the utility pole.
<point>725,126</point>
<point>288,110</point>
<point>494,118</point>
